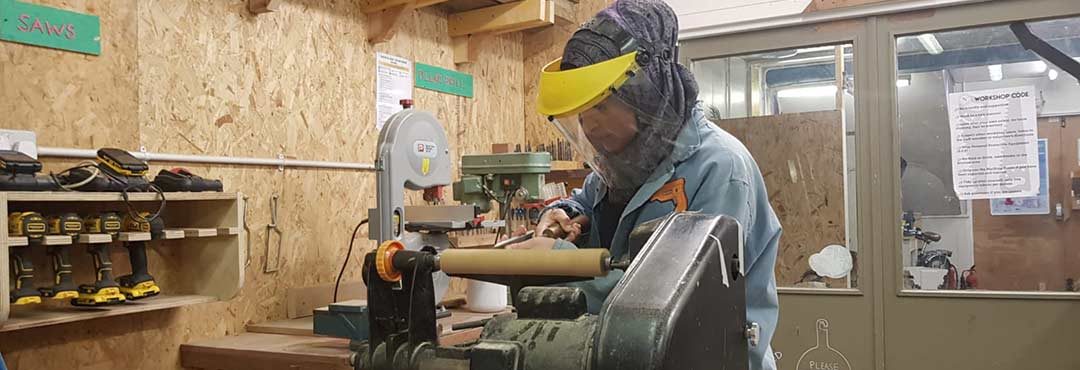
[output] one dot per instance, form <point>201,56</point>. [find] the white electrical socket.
<point>18,140</point>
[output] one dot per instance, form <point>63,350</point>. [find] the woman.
<point>621,98</point>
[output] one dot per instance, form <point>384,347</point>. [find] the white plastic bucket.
<point>485,297</point>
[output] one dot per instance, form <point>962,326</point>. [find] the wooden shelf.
<point>56,240</point>
<point>213,270</point>
<point>169,234</point>
<point>95,238</point>
<point>199,233</point>
<point>51,314</point>
<point>566,165</point>
<point>20,241</point>
<point>134,236</point>
<point>74,196</point>
<point>235,230</point>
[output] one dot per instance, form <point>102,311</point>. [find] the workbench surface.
<point>291,345</point>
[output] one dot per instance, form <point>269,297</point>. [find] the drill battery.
<point>18,173</point>
<point>116,170</point>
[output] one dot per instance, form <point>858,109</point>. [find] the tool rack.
<point>199,258</point>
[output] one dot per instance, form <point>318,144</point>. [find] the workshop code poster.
<point>995,143</point>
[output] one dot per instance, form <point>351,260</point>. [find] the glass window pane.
<point>796,117</point>
<point>988,144</point>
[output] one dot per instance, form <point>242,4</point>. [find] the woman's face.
<point>610,125</point>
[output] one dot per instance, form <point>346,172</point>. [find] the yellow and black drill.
<point>104,290</point>
<point>32,226</point>
<point>139,284</point>
<point>69,224</point>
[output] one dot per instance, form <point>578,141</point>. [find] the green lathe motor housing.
<point>485,176</point>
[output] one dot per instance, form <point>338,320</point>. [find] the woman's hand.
<point>557,219</point>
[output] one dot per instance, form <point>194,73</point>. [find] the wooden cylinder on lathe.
<point>589,262</point>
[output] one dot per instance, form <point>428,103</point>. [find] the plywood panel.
<point>1032,252</point>
<point>206,77</point>
<point>801,158</point>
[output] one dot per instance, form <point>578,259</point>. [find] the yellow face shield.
<point>589,107</point>
<point>569,92</point>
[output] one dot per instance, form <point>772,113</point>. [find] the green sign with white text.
<point>49,27</point>
<point>443,80</point>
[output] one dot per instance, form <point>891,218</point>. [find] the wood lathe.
<point>679,305</point>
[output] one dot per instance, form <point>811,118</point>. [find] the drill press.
<point>488,177</point>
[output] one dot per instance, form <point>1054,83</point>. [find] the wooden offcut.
<point>291,345</point>
<point>267,352</point>
<point>303,326</point>
<point>801,158</point>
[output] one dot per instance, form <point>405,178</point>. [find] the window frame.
<point>855,33</point>
<point>891,28</point>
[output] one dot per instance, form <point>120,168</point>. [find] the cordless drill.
<point>139,284</point>
<point>32,226</point>
<point>104,290</point>
<point>69,224</point>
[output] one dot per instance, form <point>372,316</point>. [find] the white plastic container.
<point>485,297</point>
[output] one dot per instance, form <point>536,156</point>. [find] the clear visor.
<point>620,135</point>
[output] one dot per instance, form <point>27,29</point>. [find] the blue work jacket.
<point>720,178</point>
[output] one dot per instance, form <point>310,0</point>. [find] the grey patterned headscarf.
<point>662,109</point>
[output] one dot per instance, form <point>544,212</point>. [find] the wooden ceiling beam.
<point>504,18</point>
<point>372,6</point>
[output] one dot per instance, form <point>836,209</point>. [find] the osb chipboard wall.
<point>56,93</point>
<point>205,77</point>
<point>801,159</point>
<point>1038,252</point>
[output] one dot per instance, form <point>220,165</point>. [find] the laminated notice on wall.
<point>995,150</point>
<point>393,83</point>
<point>1037,205</point>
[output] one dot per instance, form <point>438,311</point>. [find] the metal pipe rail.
<point>280,162</point>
